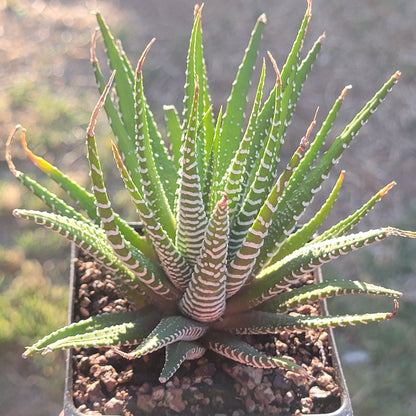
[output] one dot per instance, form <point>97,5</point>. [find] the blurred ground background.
<point>47,85</point>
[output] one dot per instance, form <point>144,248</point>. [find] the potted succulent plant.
<point>222,265</point>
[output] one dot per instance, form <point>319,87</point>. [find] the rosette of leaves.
<point>222,247</point>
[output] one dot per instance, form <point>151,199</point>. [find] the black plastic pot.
<point>345,408</point>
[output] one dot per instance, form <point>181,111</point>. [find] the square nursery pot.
<point>343,400</point>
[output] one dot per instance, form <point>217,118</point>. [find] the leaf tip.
<point>309,9</point>
<point>386,188</point>
<point>127,355</point>
<point>198,10</point>
<point>275,67</point>
<point>400,233</point>
<point>100,103</point>
<point>396,309</point>
<point>8,153</point>
<point>143,57</point>
<point>262,18</point>
<point>26,149</point>
<point>304,143</point>
<point>93,56</point>
<point>224,199</point>
<point>340,179</point>
<point>344,92</point>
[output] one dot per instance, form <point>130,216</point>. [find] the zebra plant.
<point>222,253</point>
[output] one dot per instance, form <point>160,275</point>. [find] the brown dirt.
<point>106,383</point>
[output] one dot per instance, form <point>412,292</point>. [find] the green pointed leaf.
<point>196,74</point>
<point>174,264</point>
<point>204,298</point>
<point>127,145</point>
<point>50,199</point>
<point>240,351</point>
<point>123,77</point>
<point>233,118</point>
<point>302,72</point>
<point>273,279</point>
<point>263,179</point>
<point>173,125</point>
<point>236,178</point>
<point>258,322</point>
<point>192,219</point>
<point>116,328</point>
<point>292,60</point>
<point>316,146</point>
<point>122,118</point>
<point>242,264</point>
<point>124,139</point>
<point>146,271</point>
<point>306,232</point>
<point>291,83</point>
<point>93,241</point>
<point>176,354</point>
<point>205,105</point>
<point>191,74</point>
<point>316,291</point>
<point>346,225</point>
<point>301,188</point>
<point>151,184</point>
<point>169,330</point>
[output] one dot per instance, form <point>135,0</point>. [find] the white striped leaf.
<point>169,330</point>
<point>316,291</point>
<point>242,264</point>
<point>263,180</point>
<point>302,186</point>
<point>191,216</point>
<point>151,185</point>
<point>93,241</point>
<point>146,271</point>
<point>307,231</point>
<point>176,354</point>
<point>259,322</point>
<point>116,328</point>
<point>174,264</point>
<point>236,178</point>
<point>346,225</point>
<point>242,352</point>
<point>204,298</point>
<point>232,125</point>
<point>290,269</point>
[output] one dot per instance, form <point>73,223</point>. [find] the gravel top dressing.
<point>106,383</point>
